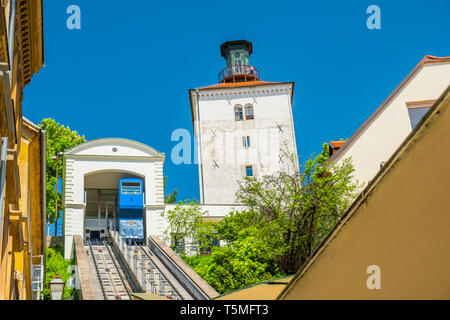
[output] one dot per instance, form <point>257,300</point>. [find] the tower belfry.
<point>237,55</point>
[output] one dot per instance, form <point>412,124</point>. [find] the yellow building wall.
<point>401,224</point>
<point>22,233</point>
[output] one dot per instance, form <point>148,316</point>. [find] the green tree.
<point>186,221</point>
<point>288,214</point>
<point>231,267</point>
<point>169,198</point>
<point>294,210</point>
<point>57,265</point>
<point>59,139</point>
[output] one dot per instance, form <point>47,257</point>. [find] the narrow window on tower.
<point>249,112</point>
<point>246,142</point>
<point>249,171</point>
<point>238,115</point>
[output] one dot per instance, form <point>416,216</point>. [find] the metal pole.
<point>143,275</point>
<point>56,158</point>
<point>150,280</point>
<point>3,161</point>
<point>135,261</point>
<point>56,202</point>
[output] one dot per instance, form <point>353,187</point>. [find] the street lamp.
<point>56,288</point>
<point>56,159</point>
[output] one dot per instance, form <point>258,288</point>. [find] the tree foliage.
<point>59,139</point>
<point>231,267</point>
<point>294,210</point>
<point>172,197</point>
<point>186,220</point>
<point>288,214</point>
<point>57,265</point>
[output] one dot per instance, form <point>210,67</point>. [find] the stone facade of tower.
<point>241,126</point>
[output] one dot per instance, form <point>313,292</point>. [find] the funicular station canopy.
<point>92,172</point>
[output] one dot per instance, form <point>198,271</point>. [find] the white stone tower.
<point>240,124</point>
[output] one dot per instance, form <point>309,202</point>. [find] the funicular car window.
<point>131,188</point>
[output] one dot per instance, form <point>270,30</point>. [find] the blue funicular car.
<point>130,209</point>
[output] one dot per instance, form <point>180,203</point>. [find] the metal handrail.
<point>37,275</point>
<point>96,267</point>
<point>3,158</point>
<point>145,249</point>
<point>237,70</point>
<point>117,268</point>
<point>185,280</point>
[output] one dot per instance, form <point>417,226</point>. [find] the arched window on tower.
<point>238,113</point>
<point>249,112</point>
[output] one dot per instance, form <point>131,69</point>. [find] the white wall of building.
<point>377,140</point>
<point>222,156</point>
<point>110,156</point>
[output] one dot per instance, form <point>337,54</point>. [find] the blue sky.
<point>127,72</point>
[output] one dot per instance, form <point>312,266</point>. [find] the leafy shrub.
<point>56,264</point>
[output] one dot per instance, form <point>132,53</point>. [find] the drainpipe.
<point>44,195</point>
<point>202,194</point>
<point>3,155</point>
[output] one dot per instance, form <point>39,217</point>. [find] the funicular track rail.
<point>195,287</point>
<point>112,284</point>
<point>160,279</point>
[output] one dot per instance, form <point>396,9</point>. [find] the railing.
<point>88,241</point>
<point>116,265</point>
<point>106,267</point>
<point>95,223</point>
<point>189,285</point>
<point>238,73</point>
<point>3,155</point>
<point>37,276</point>
<point>149,276</point>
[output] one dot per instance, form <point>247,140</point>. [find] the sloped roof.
<point>90,145</point>
<point>267,290</point>
<point>238,84</point>
<point>337,144</point>
<point>425,60</point>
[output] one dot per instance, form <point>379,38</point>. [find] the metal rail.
<point>188,284</point>
<point>151,274</point>
<point>96,267</point>
<point>118,267</point>
<point>161,282</point>
<point>234,72</point>
<point>111,282</point>
<point>155,271</point>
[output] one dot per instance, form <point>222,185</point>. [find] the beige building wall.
<point>401,224</point>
